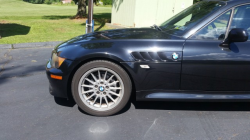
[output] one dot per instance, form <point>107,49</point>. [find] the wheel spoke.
<point>90,96</point>
<point>111,98</point>
<point>113,83</point>
<point>111,92</point>
<point>100,101</point>
<point>88,86</point>
<point>105,75</point>
<point>115,88</point>
<point>94,77</point>
<point>88,91</point>
<point>90,81</point>
<point>106,101</point>
<point>99,75</point>
<point>110,78</point>
<point>95,100</point>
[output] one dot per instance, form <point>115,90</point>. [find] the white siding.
<point>123,12</point>
<point>144,13</point>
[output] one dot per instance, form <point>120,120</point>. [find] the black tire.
<point>101,64</point>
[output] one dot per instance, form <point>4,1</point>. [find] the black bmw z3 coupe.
<point>200,54</point>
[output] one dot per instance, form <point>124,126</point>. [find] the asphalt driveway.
<point>29,112</point>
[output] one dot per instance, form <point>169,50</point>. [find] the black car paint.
<point>211,68</point>
<point>196,70</point>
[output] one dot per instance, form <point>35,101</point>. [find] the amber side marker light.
<point>56,77</point>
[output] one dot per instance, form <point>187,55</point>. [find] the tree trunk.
<point>95,2</point>
<point>81,11</point>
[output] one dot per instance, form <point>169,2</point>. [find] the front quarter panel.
<point>160,75</point>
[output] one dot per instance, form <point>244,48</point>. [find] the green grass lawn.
<point>22,22</point>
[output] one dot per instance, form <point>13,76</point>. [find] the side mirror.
<point>235,35</point>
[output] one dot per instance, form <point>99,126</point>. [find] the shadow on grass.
<point>56,17</point>
<point>100,19</point>
<point>102,24</point>
<point>12,29</point>
<point>97,16</point>
<point>102,15</point>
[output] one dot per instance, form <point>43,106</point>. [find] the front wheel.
<point>101,88</point>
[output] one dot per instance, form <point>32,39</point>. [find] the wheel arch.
<point>84,61</point>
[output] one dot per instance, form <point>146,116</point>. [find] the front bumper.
<point>59,88</point>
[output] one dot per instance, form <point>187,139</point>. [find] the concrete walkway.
<point>29,45</point>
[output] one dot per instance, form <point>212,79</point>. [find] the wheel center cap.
<point>101,88</point>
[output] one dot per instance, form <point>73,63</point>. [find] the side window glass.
<point>241,18</point>
<point>216,30</point>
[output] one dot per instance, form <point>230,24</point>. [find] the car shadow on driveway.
<point>125,109</point>
<point>193,106</point>
<point>65,102</point>
<point>71,103</point>
<point>170,105</point>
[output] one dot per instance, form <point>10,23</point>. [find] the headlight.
<point>56,61</point>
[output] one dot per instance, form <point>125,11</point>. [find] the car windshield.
<point>179,24</point>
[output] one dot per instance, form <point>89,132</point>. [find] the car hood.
<point>133,33</point>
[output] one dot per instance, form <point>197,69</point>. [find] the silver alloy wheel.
<point>101,89</point>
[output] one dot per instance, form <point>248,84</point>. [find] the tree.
<point>196,1</point>
<point>96,2</point>
<point>81,10</point>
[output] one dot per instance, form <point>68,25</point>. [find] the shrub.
<point>107,2</point>
<point>48,1</point>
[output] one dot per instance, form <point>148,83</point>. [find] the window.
<point>241,18</point>
<point>187,19</point>
<point>216,30</point>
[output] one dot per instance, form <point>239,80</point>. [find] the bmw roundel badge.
<point>175,56</point>
<point>101,88</point>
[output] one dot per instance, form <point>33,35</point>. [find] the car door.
<point>208,67</point>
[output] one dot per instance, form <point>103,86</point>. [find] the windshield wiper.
<point>156,27</point>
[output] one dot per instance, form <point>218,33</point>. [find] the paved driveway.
<point>29,112</point>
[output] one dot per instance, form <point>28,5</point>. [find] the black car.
<point>200,54</point>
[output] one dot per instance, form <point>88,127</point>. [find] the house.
<point>145,13</point>
<point>66,1</point>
